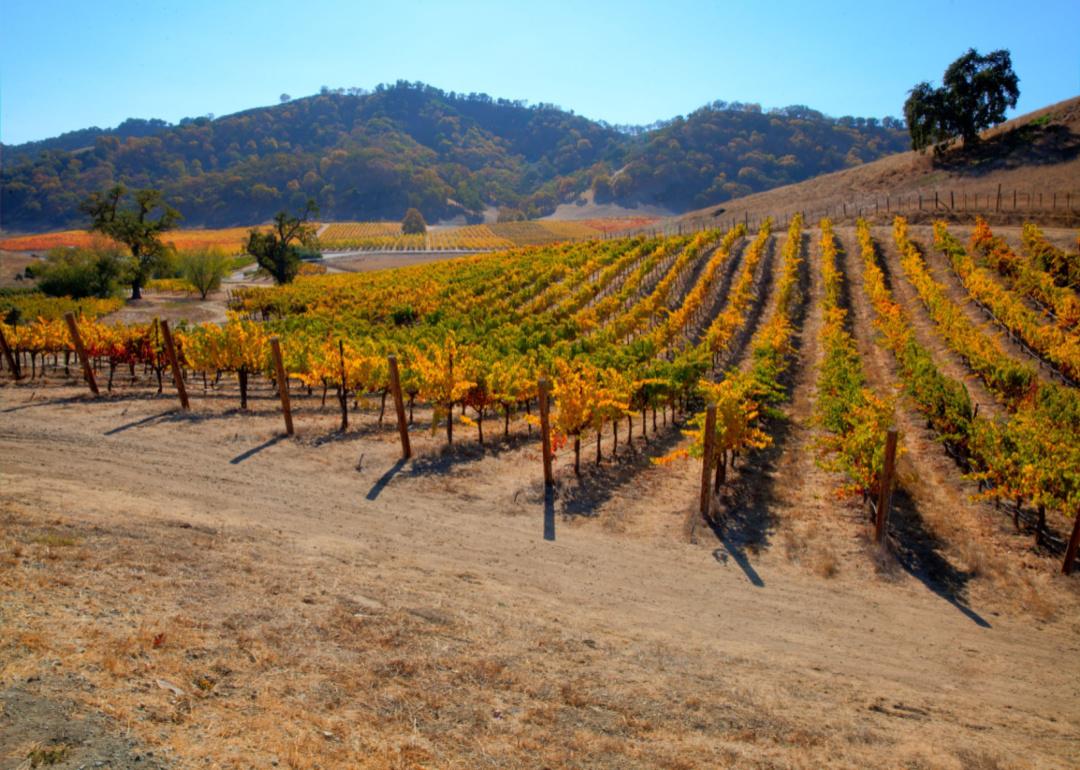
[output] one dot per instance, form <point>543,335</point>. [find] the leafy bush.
<point>93,271</point>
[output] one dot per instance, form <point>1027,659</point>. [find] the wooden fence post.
<point>282,383</point>
<point>1074,545</point>
<point>399,406</point>
<point>9,356</point>
<point>997,206</point>
<point>885,495</point>
<point>706,460</point>
<point>545,430</point>
<point>88,371</point>
<point>178,376</point>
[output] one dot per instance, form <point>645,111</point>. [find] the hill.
<point>1035,156</point>
<point>367,156</point>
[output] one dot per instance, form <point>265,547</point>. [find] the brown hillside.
<point>1037,154</point>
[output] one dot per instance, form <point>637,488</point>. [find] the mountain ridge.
<point>371,155</point>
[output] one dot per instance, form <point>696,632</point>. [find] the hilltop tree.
<point>277,251</point>
<point>413,223</point>
<point>135,226</point>
<point>976,90</point>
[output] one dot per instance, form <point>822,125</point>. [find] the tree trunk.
<point>577,455</point>
<point>506,421</point>
<point>382,408</point>
<point>450,423</point>
<point>599,431</point>
<point>243,376</point>
<point>630,431</point>
<point>480,424</point>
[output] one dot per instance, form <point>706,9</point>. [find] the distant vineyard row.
<point>365,236</point>
<point>388,235</point>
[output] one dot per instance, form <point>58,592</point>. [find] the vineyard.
<point>622,330</point>
<point>387,236</point>
<point>366,236</point>
<point>231,239</point>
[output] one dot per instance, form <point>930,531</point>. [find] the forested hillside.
<point>366,156</point>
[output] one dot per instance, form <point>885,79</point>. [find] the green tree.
<point>94,271</point>
<point>980,89</point>
<point>413,223</point>
<point>204,269</point>
<point>976,90</point>
<point>138,224</point>
<point>278,251</point>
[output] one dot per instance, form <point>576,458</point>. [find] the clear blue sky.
<point>67,65</point>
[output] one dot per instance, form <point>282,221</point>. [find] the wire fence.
<point>998,206</point>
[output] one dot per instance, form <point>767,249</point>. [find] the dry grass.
<point>225,649</point>
<point>231,649</point>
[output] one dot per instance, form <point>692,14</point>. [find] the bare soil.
<point>12,264</point>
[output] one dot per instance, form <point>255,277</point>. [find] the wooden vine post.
<point>885,494</point>
<point>283,383</point>
<point>399,406</point>
<point>9,356</point>
<point>343,396</point>
<point>545,430</point>
<point>174,363</point>
<point>88,371</point>
<point>707,459</point>
<point>1073,547</point>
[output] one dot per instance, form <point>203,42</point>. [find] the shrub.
<point>205,269</point>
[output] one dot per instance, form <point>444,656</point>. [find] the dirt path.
<point>815,529</point>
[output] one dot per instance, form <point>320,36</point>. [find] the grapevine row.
<point>854,418</point>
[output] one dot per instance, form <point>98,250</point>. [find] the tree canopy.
<point>136,219</point>
<point>276,251</point>
<point>975,93</point>
<point>413,223</point>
